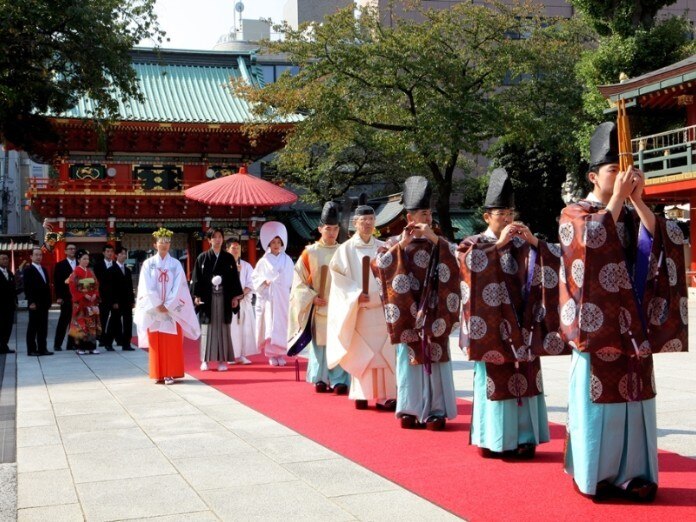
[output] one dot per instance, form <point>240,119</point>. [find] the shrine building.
<point>118,183</point>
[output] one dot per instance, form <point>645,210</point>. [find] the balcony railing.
<point>99,186</point>
<point>666,153</point>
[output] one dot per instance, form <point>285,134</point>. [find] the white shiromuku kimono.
<point>357,338</point>
<point>243,325</point>
<point>162,281</point>
<point>272,301</point>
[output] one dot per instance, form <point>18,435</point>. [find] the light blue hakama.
<point>423,395</point>
<point>318,370</point>
<point>504,425</point>
<point>614,442</point>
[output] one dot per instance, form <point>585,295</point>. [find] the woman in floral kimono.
<point>84,289</point>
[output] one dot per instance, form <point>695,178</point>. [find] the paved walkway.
<point>96,440</point>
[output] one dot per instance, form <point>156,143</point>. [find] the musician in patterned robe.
<point>358,339</point>
<point>509,296</point>
<point>307,306</point>
<point>419,279</point>
<point>623,299</point>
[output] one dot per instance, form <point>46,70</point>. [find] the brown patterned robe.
<point>402,275</point>
<point>600,311</point>
<point>500,326</point>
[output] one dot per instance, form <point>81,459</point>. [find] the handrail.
<point>73,185</point>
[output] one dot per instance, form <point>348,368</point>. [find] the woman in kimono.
<point>272,280</point>
<point>164,311</point>
<point>84,289</point>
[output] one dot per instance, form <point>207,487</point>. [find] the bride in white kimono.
<point>272,280</point>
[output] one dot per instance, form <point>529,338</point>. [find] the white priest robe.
<point>162,281</point>
<point>243,325</point>
<point>272,302</point>
<point>357,338</point>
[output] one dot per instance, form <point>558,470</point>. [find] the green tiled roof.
<point>185,87</point>
<point>305,223</point>
<point>464,224</point>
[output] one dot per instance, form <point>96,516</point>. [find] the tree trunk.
<point>443,209</point>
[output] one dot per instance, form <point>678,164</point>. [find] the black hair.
<point>212,231</point>
<point>81,253</point>
<point>120,249</point>
<point>107,246</point>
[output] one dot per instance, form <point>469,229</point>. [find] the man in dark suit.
<point>61,272</point>
<point>121,298</point>
<point>100,268</point>
<point>8,303</point>
<point>38,293</point>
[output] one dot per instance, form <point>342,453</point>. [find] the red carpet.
<point>441,466</point>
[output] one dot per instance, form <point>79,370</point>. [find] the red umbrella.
<point>240,190</point>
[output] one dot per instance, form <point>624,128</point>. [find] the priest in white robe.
<point>164,312</point>
<point>357,338</point>
<point>272,280</point>
<point>243,325</point>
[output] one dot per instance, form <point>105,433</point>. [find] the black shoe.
<point>127,349</point>
<point>435,423</point>
<point>361,404</point>
<point>489,454</point>
<point>71,348</point>
<point>340,389</point>
<point>45,353</point>
<point>640,490</point>
<point>525,451</point>
<point>321,387</point>
<point>388,405</point>
<point>409,422</point>
<point>109,348</point>
<point>6,351</point>
<point>57,349</point>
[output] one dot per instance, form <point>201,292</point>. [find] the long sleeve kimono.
<point>162,281</point>
<point>623,298</point>
<point>420,294</point>
<point>358,339</point>
<point>305,287</point>
<point>272,302</point>
<point>243,325</point>
<point>509,317</point>
<point>84,292</point>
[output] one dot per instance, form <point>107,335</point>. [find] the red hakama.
<point>166,354</point>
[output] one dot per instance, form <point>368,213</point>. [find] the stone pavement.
<point>96,440</point>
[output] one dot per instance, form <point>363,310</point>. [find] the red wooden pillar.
<point>206,227</point>
<point>59,247</point>
<point>111,231</point>
<point>251,243</point>
<point>64,171</point>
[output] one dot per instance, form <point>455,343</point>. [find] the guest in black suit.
<point>61,272</point>
<point>38,293</point>
<point>100,268</point>
<point>121,299</point>
<point>8,303</point>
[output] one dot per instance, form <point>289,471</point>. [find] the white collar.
<point>489,233</point>
<point>594,199</point>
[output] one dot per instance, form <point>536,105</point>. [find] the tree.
<point>426,90</point>
<point>634,45</point>
<point>537,145</point>
<point>54,52</point>
<point>622,17</point>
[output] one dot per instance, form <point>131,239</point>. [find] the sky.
<point>198,24</point>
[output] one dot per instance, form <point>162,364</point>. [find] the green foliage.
<point>53,52</point>
<point>620,17</point>
<point>536,179</point>
<point>425,91</point>
<point>643,51</point>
